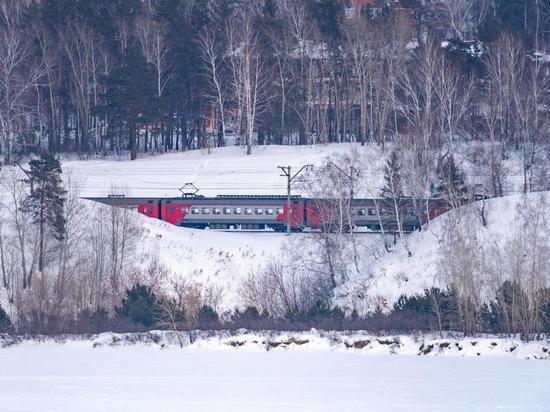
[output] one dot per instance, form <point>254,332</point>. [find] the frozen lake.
<point>49,377</point>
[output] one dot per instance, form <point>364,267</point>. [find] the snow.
<point>397,273</point>
<point>211,258</point>
<point>49,376</point>
<point>218,260</point>
<point>225,170</point>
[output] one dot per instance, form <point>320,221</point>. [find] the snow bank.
<point>313,340</point>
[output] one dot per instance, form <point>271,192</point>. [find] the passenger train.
<point>261,212</point>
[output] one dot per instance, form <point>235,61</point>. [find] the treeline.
<point>434,310</point>
<point>136,76</point>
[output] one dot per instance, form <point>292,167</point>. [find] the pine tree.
<point>451,186</point>
<point>46,201</point>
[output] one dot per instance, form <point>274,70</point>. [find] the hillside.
<point>397,273</point>
<point>224,170</point>
<point>221,260</point>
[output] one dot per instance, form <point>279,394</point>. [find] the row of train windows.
<point>372,212</point>
<point>227,211</point>
<point>257,211</point>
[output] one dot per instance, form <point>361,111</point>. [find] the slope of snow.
<point>219,260</point>
<point>215,259</point>
<point>76,376</point>
<point>396,273</point>
<point>223,259</point>
<point>224,170</point>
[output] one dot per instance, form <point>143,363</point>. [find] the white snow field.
<point>225,170</point>
<point>76,377</point>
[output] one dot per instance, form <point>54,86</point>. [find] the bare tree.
<point>124,232</point>
<point>464,16</point>
<point>359,42</point>
<point>26,241</point>
<point>212,55</point>
<point>306,45</point>
<point>461,265</point>
<point>455,93</point>
<point>19,74</point>
<point>250,79</point>
<point>416,103</point>
<point>152,38</point>
<point>80,44</point>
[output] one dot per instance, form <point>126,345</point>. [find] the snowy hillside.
<point>217,260</point>
<point>397,273</point>
<point>224,170</point>
<point>221,260</point>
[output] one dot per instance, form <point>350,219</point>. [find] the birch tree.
<point>19,75</point>
<point>212,55</point>
<point>250,79</point>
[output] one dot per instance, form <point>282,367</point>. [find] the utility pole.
<point>287,172</point>
<point>352,172</point>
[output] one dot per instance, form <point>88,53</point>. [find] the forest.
<point>136,76</point>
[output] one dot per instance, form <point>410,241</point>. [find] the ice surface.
<point>75,377</point>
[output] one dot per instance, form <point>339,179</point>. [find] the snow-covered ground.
<point>216,259</point>
<point>399,272</point>
<point>76,376</point>
<point>224,170</point>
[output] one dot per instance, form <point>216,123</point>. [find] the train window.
<point>372,212</point>
<point>185,210</point>
<point>280,210</point>
<point>269,211</point>
<point>259,211</point>
<point>248,211</point>
<point>238,210</point>
<point>195,211</point>
<point>226,210</point>
<point>171,210</point>
<point>205,210</point>
<point>217,211</point>
<point>361,212</point>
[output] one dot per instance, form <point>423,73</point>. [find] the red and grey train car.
<point>256,212</point>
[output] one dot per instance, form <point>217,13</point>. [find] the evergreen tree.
<point>451,185</point>
<point>140,305</point>
<point>130,96</point>
<point>46,201</point>
<point>5,322</point>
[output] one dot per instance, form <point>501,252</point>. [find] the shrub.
<point>250,313</point>
<point>140,306</point>
<point>208,314</point>
<point>5,322</point>
<point>433,309</point>
<point>93,321</point>
<point>545,311</point>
